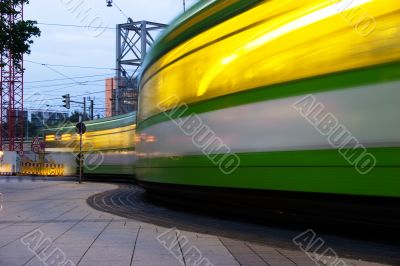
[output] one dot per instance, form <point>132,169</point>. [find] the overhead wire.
<point>120,10</point>
<point>85,82</point>
<point>74,26</point>
<point>58,72</point>
<point>68,66</point>
<point>78,77</point>
<point>72,96</point>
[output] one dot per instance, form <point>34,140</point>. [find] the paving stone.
<point>90,237</point>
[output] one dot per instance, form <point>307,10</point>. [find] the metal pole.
<point>91,109</point>
<point>143,39</point>
<point>117,103</point>
<point>27,126</point>
<point>84,108</point>
<point>80,152</point>
<point>184,6</point>
<point>112,97</point>
<point>118,54</point>
<point>115,92</point>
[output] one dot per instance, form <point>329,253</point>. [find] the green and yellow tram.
<point>108,145</point>
<point>274,96</point>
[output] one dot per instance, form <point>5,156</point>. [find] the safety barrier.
<point>42,169</point>
<point>6,173</point>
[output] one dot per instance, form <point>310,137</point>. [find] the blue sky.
<point>78,46</point>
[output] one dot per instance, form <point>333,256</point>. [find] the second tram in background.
<point>108,145</point>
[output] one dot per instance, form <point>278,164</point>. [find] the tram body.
<point>274,96</point>
<point>108,145</point>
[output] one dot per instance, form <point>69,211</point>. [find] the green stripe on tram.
<point>322,171</point>
<point>385,157</point>
<point>382,181</point>
<point>342,80</point>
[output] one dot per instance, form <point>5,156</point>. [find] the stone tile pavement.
<point>50,223</point>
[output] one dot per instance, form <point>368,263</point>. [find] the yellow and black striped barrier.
<point>42,169</point>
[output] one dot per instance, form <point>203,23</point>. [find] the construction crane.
<point>12,91</point>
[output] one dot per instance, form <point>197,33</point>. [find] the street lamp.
<point>109,3</point>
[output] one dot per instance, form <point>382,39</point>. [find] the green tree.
<point>15,37</point>
<point>74,117</point>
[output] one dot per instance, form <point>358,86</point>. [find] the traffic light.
<point>67,101</point>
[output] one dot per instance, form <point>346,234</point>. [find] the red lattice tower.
<point>12,93</point>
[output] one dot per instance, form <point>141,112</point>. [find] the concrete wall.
<point>9,162</point>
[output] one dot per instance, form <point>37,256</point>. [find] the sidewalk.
<point>49,222</point>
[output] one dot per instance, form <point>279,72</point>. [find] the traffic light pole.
<point>80,152</point>
<point>67,104</point>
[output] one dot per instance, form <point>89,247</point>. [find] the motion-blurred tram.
<point>274,97</point>
<point>108,145</point>
<point>288,99</point>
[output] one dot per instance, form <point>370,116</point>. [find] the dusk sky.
<point>80,46</point>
